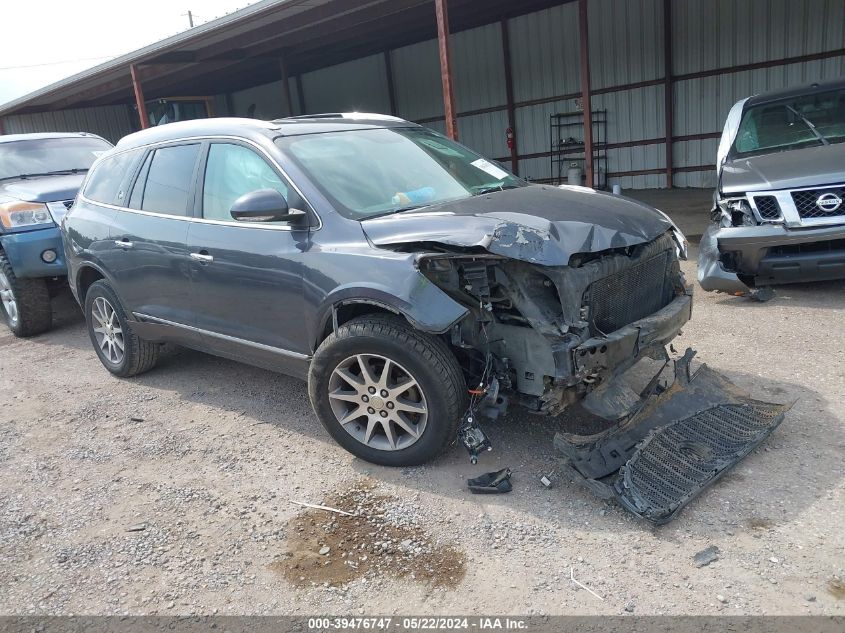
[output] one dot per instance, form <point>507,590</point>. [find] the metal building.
<point>522,79</point>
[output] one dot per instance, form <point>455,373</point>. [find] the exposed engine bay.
<point>553,334</point>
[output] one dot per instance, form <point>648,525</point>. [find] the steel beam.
<point>586,102</point>
<point>286,99</point>
<point>506,54</point>
<point>442,12</point>
<point>668,89</point>
<point>139,98</point>
<point>300,93</point>
<point>391,87</point>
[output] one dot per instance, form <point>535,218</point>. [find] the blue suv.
<point>39,177</point>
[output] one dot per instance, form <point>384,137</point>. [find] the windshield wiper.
<point>58,172</point>
<point>481,190</point>
<point>809,124</point>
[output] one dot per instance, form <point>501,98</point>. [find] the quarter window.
<point>232,171</point>
<point>169,173</point>
<point>104,182</point>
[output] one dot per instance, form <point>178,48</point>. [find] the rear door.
<point>151,266</point>
<point>247,277</point>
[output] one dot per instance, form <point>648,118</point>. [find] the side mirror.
<point>265,205</point>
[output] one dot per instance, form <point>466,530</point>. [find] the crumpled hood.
<point>42,188</point>
<point>539,224</point>
<point>807,167</point>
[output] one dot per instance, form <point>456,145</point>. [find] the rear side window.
<point>164,184</point>
<point>107,177</point>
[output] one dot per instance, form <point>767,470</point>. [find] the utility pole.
<point>190,18</point>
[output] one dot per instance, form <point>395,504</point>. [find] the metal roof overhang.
<point>244,48</point>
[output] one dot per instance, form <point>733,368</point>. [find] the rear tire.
<point>399,392</point>
<point>25,304</point>
<point>120,350</point>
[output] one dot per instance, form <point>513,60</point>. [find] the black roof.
<point>799,91</point>
<point>258,130</point>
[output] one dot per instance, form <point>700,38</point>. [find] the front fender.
<point>425,305</point>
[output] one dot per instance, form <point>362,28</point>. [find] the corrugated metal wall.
<point>711,34</point>
<point>110,122</point>
<point>626,47</point>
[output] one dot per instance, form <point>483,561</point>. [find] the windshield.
<point>366,173</point>
<point>804,121</point>
<point>47,155</point>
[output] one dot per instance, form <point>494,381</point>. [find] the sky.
<point>44,41</point>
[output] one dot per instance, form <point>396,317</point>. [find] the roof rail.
<point>370,116</point>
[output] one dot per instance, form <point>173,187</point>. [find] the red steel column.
<point>446,68</point>
<point>506,53</point>
<point>139,98</point>
<point>585,92</point>
<point>669,96</point>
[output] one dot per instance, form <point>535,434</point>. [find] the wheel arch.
<point>86,276</point>
<point>431,310</point>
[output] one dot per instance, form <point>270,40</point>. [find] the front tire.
<point>386,392</point>
<point>24,303</point>
<point>117,346</point>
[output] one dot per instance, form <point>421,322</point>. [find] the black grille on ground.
<point>676,462</point>
<point>629,295</point>
<point>805,202</point>
<point>768,207</point>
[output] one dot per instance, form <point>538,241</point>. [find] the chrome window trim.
<point>243,225</point>
<point>225,337</point>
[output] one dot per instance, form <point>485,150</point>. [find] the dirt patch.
<point>758,523</point>
<point>836,588</point>
<point>382,538</point>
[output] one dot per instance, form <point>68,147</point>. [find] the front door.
<point>150,263</point>
<point>246,278</point>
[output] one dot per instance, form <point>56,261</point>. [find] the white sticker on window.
<point>98,153</point>
<point>490,168</point>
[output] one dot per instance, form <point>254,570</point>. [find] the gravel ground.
<point>170,494</point>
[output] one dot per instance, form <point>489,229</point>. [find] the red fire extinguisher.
<point>509,136</point>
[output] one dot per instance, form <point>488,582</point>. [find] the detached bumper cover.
<point>24,253</point>
<point>770,254</point>
<point>678,440</point>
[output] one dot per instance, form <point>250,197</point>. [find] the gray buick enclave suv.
<point>414,284</point>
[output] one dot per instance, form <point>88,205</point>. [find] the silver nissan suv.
<point>779,209</point>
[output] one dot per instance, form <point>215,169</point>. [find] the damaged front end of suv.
<point>779,209</point>
<point>560,306</point>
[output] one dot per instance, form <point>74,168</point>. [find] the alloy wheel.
<point>107,331</point>
<point>378,402</point>
<point>7,297</point>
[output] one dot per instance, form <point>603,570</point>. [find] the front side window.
<point>230,172</point>
<point>47,156</point>
<point>169,174</point>
<point>804,121</point>
<point>366,173</point>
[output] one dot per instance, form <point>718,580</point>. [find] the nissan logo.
<point>829,202</point>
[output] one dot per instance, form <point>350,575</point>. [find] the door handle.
<point>124,243</point>
<point>202,257</point>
